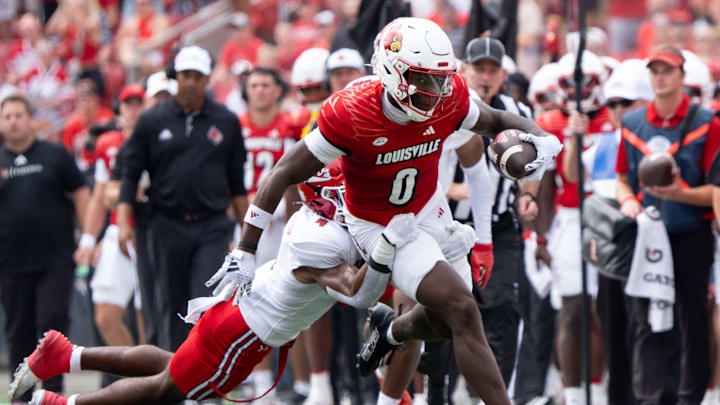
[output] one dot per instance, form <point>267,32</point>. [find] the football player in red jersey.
<point>268,133</point>
<point>389,134</point>
<point>563,247</point>
<point>114,282</point>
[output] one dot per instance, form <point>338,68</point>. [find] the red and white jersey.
<point>106,149</point>
<point>265,146</point>
<point>389,168</point>
<point>556,122</point>
<point>279,306</point>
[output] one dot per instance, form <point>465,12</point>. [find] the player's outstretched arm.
<point>492,121</point>
<point>360,288</point>
<point>363,288</point>
<point>236,274</point>
<point>296,165</point>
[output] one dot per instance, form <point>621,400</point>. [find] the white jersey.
<point>279,306</point>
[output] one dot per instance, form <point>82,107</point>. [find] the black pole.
<point>579,137</point>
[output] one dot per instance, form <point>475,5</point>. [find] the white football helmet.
<point>308,75</point>
<point>309,68</point>
<point>543,90</point>
<point>415,62</point>
<point>594,75</point>
<point>698,81</point>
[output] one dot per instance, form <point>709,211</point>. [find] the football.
<point>509,154</point>
<point>657,169</point>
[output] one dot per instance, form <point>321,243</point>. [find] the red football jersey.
<point>265,146</point>
<point>106,149</point>
<point>389,168</point>
<point>556,122</point>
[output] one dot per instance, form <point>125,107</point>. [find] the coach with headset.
<point>193,149</point>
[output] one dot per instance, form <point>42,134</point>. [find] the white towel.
<point>196,306</point>
<point>651,272</point>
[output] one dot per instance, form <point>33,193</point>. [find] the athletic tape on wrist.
<point>257,217</point>
<point>383,253</point>
<point>87,241</point>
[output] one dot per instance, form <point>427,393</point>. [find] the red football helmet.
<point>324,193</point>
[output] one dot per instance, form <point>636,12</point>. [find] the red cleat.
<point>50,358</point>
<point>43,397</point>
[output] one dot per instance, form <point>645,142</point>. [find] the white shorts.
<point>415,260</point>
<point>564,246</point>
<point>115,280</point>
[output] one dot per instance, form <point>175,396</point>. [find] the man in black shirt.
<point>41,190</point>
<point>193,150</point>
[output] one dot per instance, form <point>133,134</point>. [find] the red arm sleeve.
<point>712,144</point>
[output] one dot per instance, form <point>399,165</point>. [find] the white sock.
<point>574,396</point>
<point>71,400</point>
<point>320,386</point>
<point>75,358</point>
<point>389,336</point>
<point>262,381</point>
<point>302,388</point>
<point>386,400</point>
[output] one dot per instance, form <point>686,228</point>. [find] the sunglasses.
<point>620,102</point>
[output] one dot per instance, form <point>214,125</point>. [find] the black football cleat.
<point>376,346</point>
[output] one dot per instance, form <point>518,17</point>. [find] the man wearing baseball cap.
<point>159,88</point>
<point>671,364</point>
<point>192,148</point>
<point>344,66</point>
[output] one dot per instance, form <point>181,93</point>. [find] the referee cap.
<point>484,48</point>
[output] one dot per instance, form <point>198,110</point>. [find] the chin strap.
<point>282,361</point>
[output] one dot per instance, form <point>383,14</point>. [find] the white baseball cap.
<point>195,58</point>
<point>345,57</point>
<point>158,82</point>
<point>630,80</point>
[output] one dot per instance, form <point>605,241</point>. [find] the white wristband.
<point>257,217</point>
<point>87,241</point>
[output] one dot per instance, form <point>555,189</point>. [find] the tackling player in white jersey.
<point>313,271</point>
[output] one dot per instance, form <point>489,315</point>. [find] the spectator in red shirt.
<point>78,25</point>
<point>655,22</point>
<point>22,56</point>
<point>625,18</point>
<point>135,30</point>
<point>89,90</point>
<point>242,44</point>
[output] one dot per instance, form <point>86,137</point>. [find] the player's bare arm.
<point>492,121</point>
<point>345,278</point>
<point>296,165</point>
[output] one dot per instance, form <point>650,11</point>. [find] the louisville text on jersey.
<point>408,153</point>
